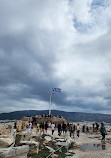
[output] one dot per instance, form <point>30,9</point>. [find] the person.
<point>13,133</point>
<point>59,129</point>
<point>103,132</point>
<point>78,129</point>
<point>53,127</point>
<point>38,127</point>
<point>27,128</point>
<point>83,128</point>
<point>64,128</point>
<point>15,125</point>
<point>30,126</point>
<point>74,128</point>
<point>97,127</point>
<point>87,129</point>
<point>93,126</point>
<point>43,126</point>
<point>49,124</point>
<point>70,129</point>
<point>46,126</point>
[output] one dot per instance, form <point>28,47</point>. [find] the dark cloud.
<point>40,48</point>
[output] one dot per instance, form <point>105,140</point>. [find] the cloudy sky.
<point>55,43</point>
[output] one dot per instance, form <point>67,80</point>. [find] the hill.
<point>70,116</point>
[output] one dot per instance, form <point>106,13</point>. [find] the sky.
<point>48,44</point>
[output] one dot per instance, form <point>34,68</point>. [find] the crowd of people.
<point>64,128</point>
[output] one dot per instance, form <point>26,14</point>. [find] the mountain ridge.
<point>70,116</point>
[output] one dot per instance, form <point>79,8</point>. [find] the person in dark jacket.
<point>59,129</point>
<point>70,129</point>
<point>74,128</point>
<point>64,128</point>
<point>46,126</point>
<point>43,127</point>
<point>103,132</point>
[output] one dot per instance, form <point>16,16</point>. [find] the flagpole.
<point>50,103</point>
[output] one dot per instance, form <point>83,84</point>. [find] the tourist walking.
<point>74,128</point>
<point>83,128</point>
<point>30,126</point>
<point>46,126</point>
<point>43,127</point>
<point>64,128</point>
<point>53,127</point>
<point>59,129</point>
<point>103,132</point>
<point>78,129</point>
<point>93,127</point>
<point>38,127</point>
<point>87,129</point>
<point>97,127</point>
<point>70,129</point>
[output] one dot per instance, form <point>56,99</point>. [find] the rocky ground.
<point>36,145</point>
<point>88,145</point>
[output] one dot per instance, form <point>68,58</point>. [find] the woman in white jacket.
<point>78,129</point>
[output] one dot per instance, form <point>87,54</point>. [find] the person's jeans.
<point>52,132</point>
<point>78,133</point>
<point>59,132</point>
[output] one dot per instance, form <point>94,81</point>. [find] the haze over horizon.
<point>55,43</point>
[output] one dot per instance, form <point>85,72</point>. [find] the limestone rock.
<point>54,156</point>
<point>61,143</point>
<point>19,125</point>
<point>66,143</point>
<point>2,129</point>
<point>60,140</point>
<point>4,136</point>
<point>47,138</point>
<point>33,146</point>
<point>14,152</point>
<point>30,143</point>
<point>6,142</point>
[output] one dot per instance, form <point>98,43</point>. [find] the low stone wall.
<point>14,152</point>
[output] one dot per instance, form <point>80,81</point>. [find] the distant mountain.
<point>70,116</point>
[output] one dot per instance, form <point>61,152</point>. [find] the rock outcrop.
<point>32,145</point>
<point>14,152</point>
<point>6,142</point>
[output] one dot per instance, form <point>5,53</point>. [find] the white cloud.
<point>55,43</point>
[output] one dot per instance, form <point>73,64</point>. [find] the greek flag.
<point>56,90</point>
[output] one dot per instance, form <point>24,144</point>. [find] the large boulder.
<point>2,129</point>
<point>4,136</point>
<point>24,124</point>
<point>48,138</point>
<point>19,125</point>
<point>14,152</point>
<point>65,143</point>
<point>33,146</point>
<point>6,142</point>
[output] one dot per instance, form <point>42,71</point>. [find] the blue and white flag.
<point>56,90</point>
